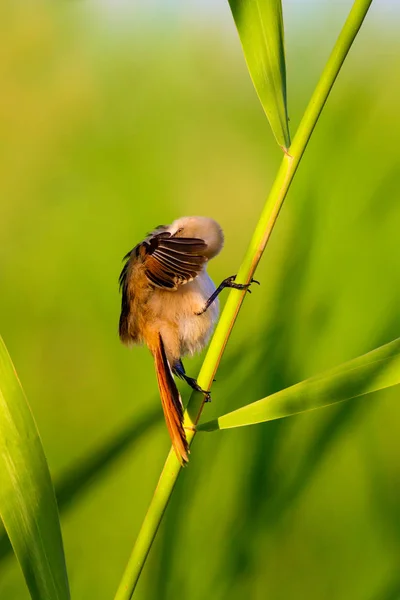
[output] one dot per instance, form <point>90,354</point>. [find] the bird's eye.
<point>177,232</point>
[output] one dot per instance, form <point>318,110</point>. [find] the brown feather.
<point>171,402</point>
<point>172,261</point>
<point>125,300</point>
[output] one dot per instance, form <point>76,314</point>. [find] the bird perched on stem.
<point>170,303</point>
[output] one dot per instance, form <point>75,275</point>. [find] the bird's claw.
<point>207,396</point>
<point>229,282</point>
<point>249,284</point>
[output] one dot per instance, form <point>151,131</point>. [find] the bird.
<point>170,303</point>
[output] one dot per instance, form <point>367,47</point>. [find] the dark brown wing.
<point>126,297</point>
<point>173,261</point>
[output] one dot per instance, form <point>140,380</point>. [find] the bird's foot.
<point>229,282</point>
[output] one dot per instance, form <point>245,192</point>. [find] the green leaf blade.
<point>28,507</point>
<point>260,27</point>
<point>377,370</point>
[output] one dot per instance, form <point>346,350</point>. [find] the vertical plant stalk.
<point>257,245</point>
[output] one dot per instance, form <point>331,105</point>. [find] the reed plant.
<point>27,501</point>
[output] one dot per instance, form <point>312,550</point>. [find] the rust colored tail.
<point>171,402</point>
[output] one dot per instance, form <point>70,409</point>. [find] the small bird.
<point>170,304</point>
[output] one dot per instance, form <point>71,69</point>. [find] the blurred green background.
<point>116,117</point>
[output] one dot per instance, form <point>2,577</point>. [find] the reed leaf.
<point>377,370</point>
<point>28,506</point>
<point>260,27</point>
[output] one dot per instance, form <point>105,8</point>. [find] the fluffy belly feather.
<point>179,308</point>
<point>195,330</point>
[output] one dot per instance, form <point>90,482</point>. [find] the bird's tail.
<point>171,402</point>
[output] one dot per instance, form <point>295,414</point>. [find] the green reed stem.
<point>257,245</point>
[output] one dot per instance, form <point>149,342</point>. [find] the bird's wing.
<point>172,261</point>
<point>126,333</point>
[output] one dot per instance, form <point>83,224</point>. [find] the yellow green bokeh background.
<point>117,118</point>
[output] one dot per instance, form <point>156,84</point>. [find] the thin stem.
<point>257,245</point>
